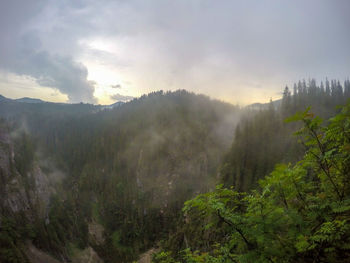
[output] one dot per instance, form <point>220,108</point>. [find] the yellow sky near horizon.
<point>15,86</point>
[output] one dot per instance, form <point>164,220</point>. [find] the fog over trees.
<point>162,131</point>
<point>199,179</point>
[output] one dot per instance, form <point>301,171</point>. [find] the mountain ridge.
<point>37,101</point>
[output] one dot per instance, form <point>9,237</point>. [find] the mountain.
<point>81,182</point>
<point>111,106</point>
<point>298,213</point>
<point>126,171</point>
<point>34,101</point>
<point>232,223</point>
<point>2,98</point>
<point>29,184</point>
<point>263,106</point>
<point>30,100</point>
<point>24,100</point>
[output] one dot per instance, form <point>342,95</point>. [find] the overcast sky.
<point>103,51</point>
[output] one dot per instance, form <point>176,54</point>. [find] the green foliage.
<point>132,168</point>
<point>129,168</point>
<point>62,226</point>
<point>163,257</point>
<point>25,154</point>
<point>300,213</point>
<point>10,246</point>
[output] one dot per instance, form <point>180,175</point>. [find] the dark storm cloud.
<point>117,86</point>
<point>49,70</point>
<point>22,53</point>
<point>215,47</point>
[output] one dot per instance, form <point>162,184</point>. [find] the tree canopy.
<point>300,213</point>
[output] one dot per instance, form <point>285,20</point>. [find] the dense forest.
<point>300,212</point>
<point>262,138</point>
<point>124,172</point>
<point>116,179</point>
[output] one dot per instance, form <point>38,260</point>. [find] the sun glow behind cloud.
<point>105,78</point>
<point>100,58</point>
<point>145,46</point>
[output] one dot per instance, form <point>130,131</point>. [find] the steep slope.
<point>263,139</point>
<point>128,169</point>
<point>25,192</point>
<point>299,213</point>
<point>146,158</point>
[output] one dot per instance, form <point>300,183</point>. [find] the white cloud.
<point>221,48</point>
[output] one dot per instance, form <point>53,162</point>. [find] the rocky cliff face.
<point>14,198</point>
<point>27,193</point>
<point>25,200</point>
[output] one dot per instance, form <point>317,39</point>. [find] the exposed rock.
<point>88,255</point>
<point>35,255</point>
<point>147,256</point>
<point>42,192</point>
<point>16,195</point>
<point>12,191</point>
<point>96,233</point>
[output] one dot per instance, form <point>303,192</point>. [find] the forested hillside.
<point>262,138</point>
<point>127,171</point>
<point>299,213</point>
<point>109,183</point>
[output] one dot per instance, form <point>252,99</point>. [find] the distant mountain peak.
<point>29,100</point>
<point>2,98</point>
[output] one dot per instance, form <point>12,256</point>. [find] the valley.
<point>85,184</point>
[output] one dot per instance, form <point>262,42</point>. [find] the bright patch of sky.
<point>234,50</point>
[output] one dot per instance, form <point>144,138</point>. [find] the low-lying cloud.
<point>120,97</point>
<point>117,86</point>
